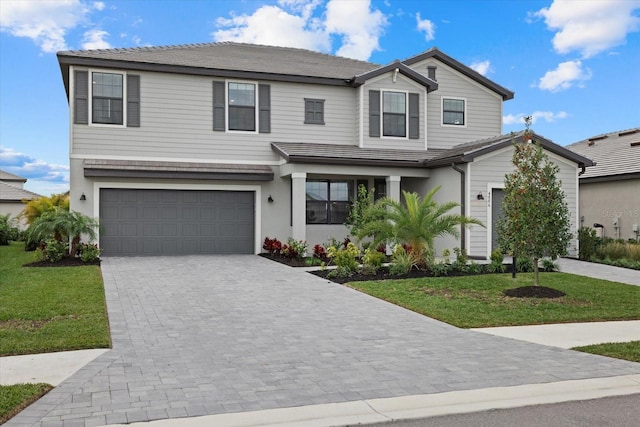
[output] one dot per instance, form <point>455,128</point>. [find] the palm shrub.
<point>62,225</point>
<point>37,207</point>
<point>416,223</point>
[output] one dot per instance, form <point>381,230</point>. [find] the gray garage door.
<point>174,222</point>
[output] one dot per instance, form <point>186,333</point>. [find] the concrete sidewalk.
<point>599,271</point>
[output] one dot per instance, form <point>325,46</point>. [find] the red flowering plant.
<point>273,246</point>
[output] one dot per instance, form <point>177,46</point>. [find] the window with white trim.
<point>394,114</point>
<point>107,90</point>
<point>453,111</point>
<point>242,106</point>
<point>328,201</point>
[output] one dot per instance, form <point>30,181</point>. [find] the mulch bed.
<point>291,262</point>
<point>533,292</point>
<point>64,262</point>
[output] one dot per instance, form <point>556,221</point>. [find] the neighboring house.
<point>209,148</point>
<point>610,191</point>
<point>13,196</point>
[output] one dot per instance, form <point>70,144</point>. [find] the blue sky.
<point>573,64</point>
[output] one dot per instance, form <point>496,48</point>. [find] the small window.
<point>328,201</point>
<point>394,114</point>
<point>242,106</point>
<point>453,111</point>
<point>107,98</point>
<point>314,111</point>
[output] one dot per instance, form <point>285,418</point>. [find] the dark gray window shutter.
<point>414,116</point>
<point>218,106</point>
<point>133,100</point>
<point>374,113</point>
<point>81,98</point>
<point>264,112</point>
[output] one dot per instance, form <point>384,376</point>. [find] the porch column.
<point>298,206</point>
<point>393,187</point>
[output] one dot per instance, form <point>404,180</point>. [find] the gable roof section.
<point>617,155</point>
<point>332,154</point>
<point>402,69</point>
<point>225,59</point>
<point>12,194</point>
<point>6,176</point>
<point>468,152</point>
<point>436,53</point>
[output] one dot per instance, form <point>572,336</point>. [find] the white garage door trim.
<point>97,186</point>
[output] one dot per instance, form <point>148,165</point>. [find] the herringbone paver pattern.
<point>205,335</point>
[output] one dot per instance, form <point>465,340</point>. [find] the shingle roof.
<point>300,152</point>
<point>11,193</point>
<point>616,153</point>
<point>6,176</point>
<point>467,152</point>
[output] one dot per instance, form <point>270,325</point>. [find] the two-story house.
<point>208,148</point>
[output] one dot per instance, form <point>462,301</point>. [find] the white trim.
<point>176,159</point>
<point>466,116</point>
<point>425,116</point>
<point>124,97</point>
<point>406,115</point>
<point>72,106</point>
<point>256,102</point>
<point>361,126</point>
<point>98,185</point>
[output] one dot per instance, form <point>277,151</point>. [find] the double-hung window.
<point>453,111</point>
<point>242,106</point>
<point>107,91</point>
<point>394,114</point>
<point>328,201</point>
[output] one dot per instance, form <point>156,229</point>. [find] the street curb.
<point>411,407</point>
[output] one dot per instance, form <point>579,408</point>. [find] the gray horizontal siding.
<point>176,117</point>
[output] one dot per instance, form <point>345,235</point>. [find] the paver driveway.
<point>204,335</point>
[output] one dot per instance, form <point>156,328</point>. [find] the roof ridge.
<point>19,188</point>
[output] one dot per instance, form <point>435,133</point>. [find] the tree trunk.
<point>535,272</point>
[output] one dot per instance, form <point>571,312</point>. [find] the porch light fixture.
<point>480,196</point>
<point>83,197</point>
<point>270,199</point>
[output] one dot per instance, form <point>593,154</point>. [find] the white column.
<point>298,206</point>
<point>393,187</point>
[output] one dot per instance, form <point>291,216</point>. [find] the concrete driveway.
<point>204,335</point>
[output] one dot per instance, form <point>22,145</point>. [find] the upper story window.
<point>453,111</point>
<point>106,98</point>
<point>241,106</point>
<point>107,105</point>
<point>328,201</point>
<point>394,114</point>
<point>314,111</point>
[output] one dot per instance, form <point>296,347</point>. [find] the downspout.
<point>583,169</point>
<point>463,197</point>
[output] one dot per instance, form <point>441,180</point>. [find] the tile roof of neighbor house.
<point>236,60</point>
<point>11,193</point>
<point>617,155</point>
<point>467,152</point>
<point>6,176</point>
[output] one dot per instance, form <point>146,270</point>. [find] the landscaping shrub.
<point>344,259</point>
<point>372,261</point>
<point>54,250</point>
<point>524,264</point>
<point>474,268</point>
<point>548,265</point>
<point>320,252</point>
<point>63,226</point>
<point>402,261</point>
<point>8,231</point>
<point>272,246</point>
<point>497,262</point>
<point>294,248</point>
<point>615,250</point>
<point>588,242</point>
<point>440,269</point>
<point>461,260</point>
<point>89,252</point>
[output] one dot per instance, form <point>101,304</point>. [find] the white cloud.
<point>482,67</point>
<point>45,22</point>
<point>590,27</point>
<point>566,75</point>
<point>98,5</point>
<point>95,39</point>
<point>31,168</point>
<point>427,26</point>
<point>293,23</point>
<point>547,116</point>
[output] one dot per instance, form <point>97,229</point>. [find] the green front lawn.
<point>477,301</point>
<point>49,309</point>
<point>14,398</point>
<point>619,350</point>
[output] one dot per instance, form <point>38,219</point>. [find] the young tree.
<point>536,217</point>
<point>417,223</point>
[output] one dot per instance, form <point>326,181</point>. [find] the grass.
<point>14,398</point>
<point>477,301</point>
<point>49,309</point>
<point>622,350</point>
